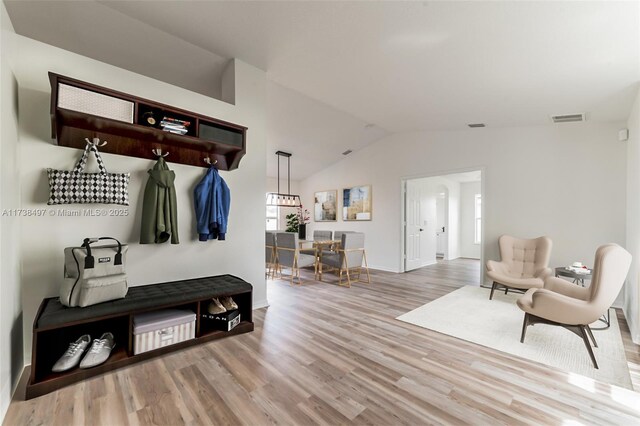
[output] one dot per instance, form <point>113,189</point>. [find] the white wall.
<point>468,191</point>
<point>453,211</point>
<point>11,340</point>
<point>531,173</point>
<point>44,238</point>
<point>632,291</point>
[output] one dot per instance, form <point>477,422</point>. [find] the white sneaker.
<point>99,352</point>
<point>72,356</point>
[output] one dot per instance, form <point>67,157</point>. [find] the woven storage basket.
<point>76,99</point>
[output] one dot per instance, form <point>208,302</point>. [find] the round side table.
<point>577,278</point>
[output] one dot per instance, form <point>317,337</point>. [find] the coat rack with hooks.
<point>158,152</point>
<point>131,124</point>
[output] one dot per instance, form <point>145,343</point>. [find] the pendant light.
<point>279,199</point>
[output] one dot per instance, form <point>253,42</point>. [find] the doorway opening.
<point>442,219</point>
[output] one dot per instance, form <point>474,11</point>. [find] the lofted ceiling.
<point>335,68</point>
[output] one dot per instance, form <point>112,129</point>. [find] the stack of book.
<point>583,270</point>
<point>173,125</point>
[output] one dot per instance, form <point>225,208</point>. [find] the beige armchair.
<point>573,307</point>
<point>524,264</point>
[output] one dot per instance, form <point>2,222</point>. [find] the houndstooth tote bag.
<point>75,186</point>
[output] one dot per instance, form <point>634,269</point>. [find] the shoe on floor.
<point>228,303</point>
<point>100,350</point>
<point>72,356</point>
<point>215,307</point>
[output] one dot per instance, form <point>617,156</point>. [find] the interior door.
<point>441,236</point>
<point>412,229</point>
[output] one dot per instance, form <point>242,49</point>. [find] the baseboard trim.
<point>10,394</point>
<point>384,269</point>
<point>261,304</point>
<point>635,337</point>
<point>5,400</point>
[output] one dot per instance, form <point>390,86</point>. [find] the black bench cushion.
<point>145,297</point>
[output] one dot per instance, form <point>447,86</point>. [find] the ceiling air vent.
<point>567,118</point>
<point>347,152</point>
<point>474,125</point>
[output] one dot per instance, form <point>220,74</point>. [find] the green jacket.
<point>159,207</point>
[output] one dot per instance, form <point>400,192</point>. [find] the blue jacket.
<point>212,200</point>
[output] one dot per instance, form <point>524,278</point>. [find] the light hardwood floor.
<point>321,354</point>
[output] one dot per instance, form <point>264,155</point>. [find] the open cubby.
<point>93,117</point>
<point>215,132</point>
<point>56,341</point>
<point>206,328</point>
<point>55,326</point>
<point>159,114</point>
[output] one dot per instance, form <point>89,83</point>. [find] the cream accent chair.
<point>289,255</point>
<point>573,307</point>
<point>347,259</point>
<point>524,264</point>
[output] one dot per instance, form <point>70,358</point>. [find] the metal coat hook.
<point>208,161</point>
<point>96,142</point>
<point>158,152</point>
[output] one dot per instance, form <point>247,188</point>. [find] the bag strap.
<point>93,147</point>
<point>79,168</point>
<point>89,261</point>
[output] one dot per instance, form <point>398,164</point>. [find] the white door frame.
<point>404,179</point>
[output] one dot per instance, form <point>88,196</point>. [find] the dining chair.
<point>347,259</point>
<point>322,235</point>
<point>271,257</point>
<point>317,236</point>
<point>337,236</point>
<point>289,255</point>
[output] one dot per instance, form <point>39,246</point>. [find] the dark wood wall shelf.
<point>218,140</point>
<point>55,326</point>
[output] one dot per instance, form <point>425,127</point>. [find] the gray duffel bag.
<point>94,275</point>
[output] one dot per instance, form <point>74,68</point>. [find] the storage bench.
<point>55,325</point>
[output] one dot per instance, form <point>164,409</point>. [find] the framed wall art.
<point>356,203</point>
<point>325,207</point>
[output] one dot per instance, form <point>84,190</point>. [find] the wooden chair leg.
<point>593,339</point>
<point>493,287</point>
<point>346,268</point>
<point>366,267</point>
<point>525,324</point>
<point>585,339</point>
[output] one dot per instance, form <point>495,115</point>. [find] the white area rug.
<point>468,314</point>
